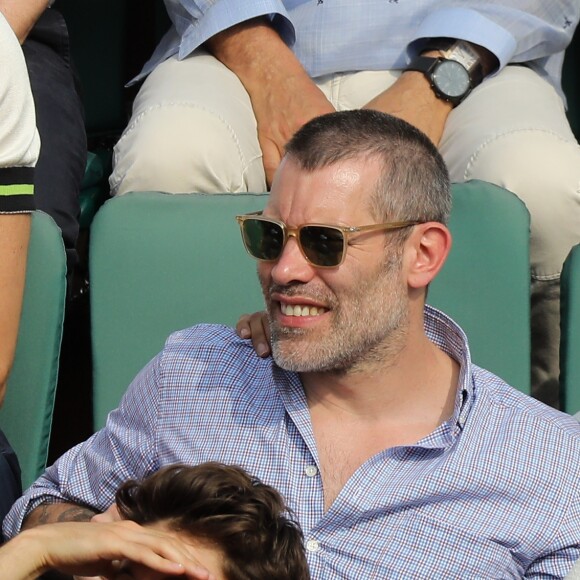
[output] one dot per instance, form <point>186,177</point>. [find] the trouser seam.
<point>498,136</point>
<point>130,128</point>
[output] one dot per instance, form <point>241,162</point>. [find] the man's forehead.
<point>344,182</point>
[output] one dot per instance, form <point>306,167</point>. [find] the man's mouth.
<point>301,310</point>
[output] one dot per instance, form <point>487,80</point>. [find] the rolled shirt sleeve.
<point>195,22</point>
<point>90,473</point>
<point>515,32</point>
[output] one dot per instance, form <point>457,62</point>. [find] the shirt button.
<point>312,546</point>
<point>311,470</point>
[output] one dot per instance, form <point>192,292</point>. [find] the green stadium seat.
<point>26,416</point>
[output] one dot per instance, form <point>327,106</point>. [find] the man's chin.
<point>299,361</point>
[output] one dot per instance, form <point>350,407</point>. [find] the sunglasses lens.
<point>264,239</point>
<point>322,245</point>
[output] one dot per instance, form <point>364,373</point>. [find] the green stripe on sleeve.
<point>17,189</point>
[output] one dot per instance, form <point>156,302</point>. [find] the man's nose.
<point>292,266</point>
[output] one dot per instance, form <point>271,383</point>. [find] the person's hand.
<point>283,96</point>
<point>97,549</point>
<point>411,98</point>
<point>282,105</point>
<point>256,327</point>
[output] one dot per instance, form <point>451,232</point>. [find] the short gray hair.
<point>414,182</point>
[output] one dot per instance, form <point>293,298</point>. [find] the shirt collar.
<point>450,338</point>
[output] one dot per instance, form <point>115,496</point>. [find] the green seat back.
<point>485,283</point>
<point>26,416</point>
<point>161,262</point>
<point>570,325</point>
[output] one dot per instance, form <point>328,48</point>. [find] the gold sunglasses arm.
<point>244,216</point>
<point>385,226</point>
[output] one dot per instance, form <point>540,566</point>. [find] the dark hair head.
<point>414,182</point>
<point>224,506</point>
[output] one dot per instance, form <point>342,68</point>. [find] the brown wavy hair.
<point>226,507</point>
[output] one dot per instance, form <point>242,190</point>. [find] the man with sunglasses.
<point>231,81</point>
<point>398,457</point>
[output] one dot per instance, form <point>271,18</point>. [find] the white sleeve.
<point>19,140</point>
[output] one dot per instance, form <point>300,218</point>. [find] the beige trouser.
<point>193,129</point>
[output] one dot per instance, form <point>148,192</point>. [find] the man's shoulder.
<point>205,338</point>
<point>212,348</point>
<point>514,410</point>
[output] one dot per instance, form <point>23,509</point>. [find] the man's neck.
<point>356,415</point>
<point>418,384</point>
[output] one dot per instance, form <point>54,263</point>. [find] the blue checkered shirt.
<point>491,493</point>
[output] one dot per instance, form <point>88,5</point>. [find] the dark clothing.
<point>60,122</point>
<point>10,482</point>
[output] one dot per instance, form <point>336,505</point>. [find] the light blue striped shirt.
<point>332,36</point>
<point>492,493</point>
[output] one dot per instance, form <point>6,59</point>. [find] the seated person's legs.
<point>512,131</point>
<point>192,130</point>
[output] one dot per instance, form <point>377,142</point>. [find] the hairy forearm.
<point>254,51</point>
<point>22,14</point>
<point>282,94</point>
<point>50,513</point>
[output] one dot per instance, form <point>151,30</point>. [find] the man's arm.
<point>283,96</point>
<point>412,99</point>
<point>96,549</point>
<point>19,146</point>
<point>22,15</point>
<point>501,32</point>
<point>14,234</point>
<point>51,513</point>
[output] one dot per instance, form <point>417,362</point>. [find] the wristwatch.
<point>453,74</point>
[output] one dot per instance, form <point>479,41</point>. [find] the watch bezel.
<point>428,65</point>
<point>439,69</point>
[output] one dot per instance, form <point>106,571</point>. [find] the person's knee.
<point>543,170</point>
<point>183,148</point>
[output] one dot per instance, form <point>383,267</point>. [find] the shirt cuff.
<point>223,15</point>
<point>469,25</point>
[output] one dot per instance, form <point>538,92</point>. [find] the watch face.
<point>451,78</point>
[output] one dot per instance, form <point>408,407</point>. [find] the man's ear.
<point>426,250</point>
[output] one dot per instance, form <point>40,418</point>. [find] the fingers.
<point>91,549</point>
<point>255,326</point>
<point>243,326</point>
<point>271,156</point>
<point>163,552</point>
